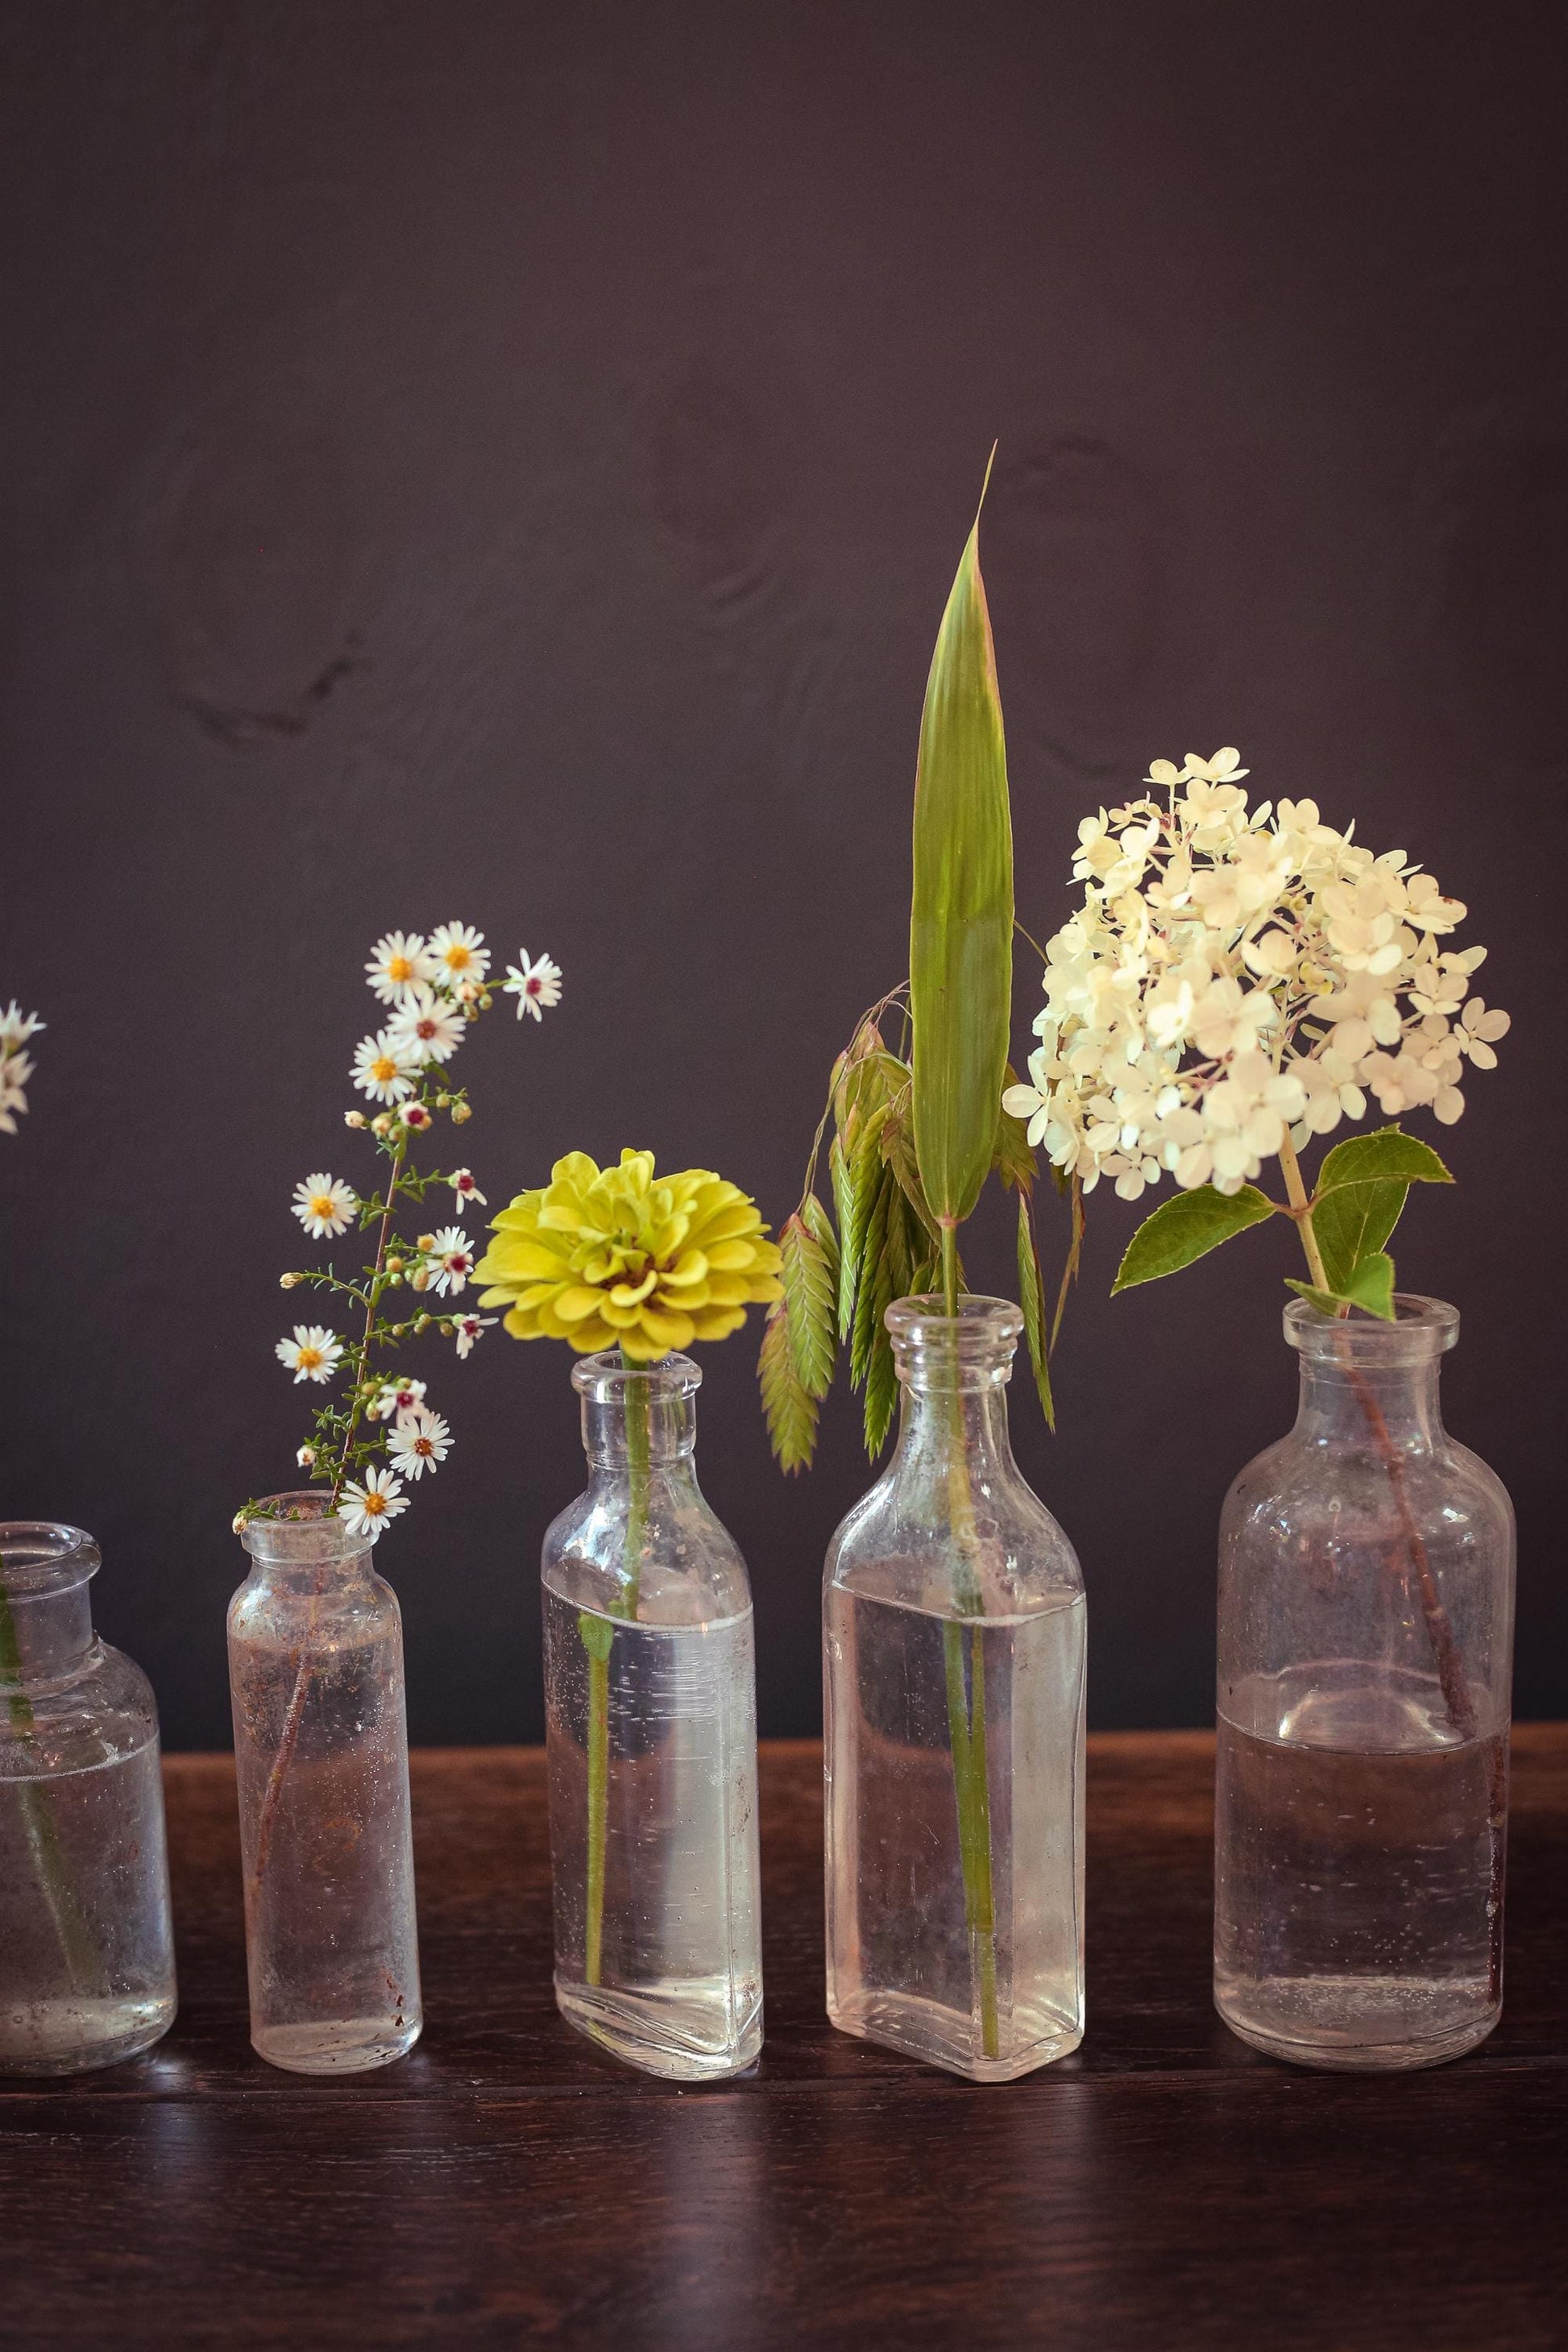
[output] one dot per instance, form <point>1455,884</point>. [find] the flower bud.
<point>240,1523</point>
<point>422,1323</point>
<point>395,1265</point>
<point>422,1282</point>
<point>289,1281</point>
<point>468,990</point>
<point>426,1242</point>
<point>381,1123</point>
<point>353,1119</point>
<point>443,1102</point>
<point>306,1456</point>
<point>460,1113</point>
<point>486,1000</point>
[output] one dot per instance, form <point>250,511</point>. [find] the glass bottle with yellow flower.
<point>650,1705</point>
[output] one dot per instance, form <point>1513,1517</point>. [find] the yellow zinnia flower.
<point>608,1258</point>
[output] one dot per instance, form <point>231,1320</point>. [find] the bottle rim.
<point>1422,1329</point>
<point>301,1529</point>
<point>45,1556</point>
<point>604,1379</point>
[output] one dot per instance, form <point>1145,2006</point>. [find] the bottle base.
<point>1358,2025</point>
<point>77,2037</point>
<point>945,2038</point>
<point>644,2029</point>
<point>349,2045</point>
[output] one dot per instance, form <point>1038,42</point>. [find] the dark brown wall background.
<point>490,461</point>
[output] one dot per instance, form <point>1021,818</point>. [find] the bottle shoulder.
<point>101,1714</point>
<point>271,1613</point>
<point>684,1564</point>
<point>993,1548</point>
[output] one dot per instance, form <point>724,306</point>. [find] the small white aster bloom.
<point>312,1354</point>
<point>16,1027</point>
<point>430,1024</point>
<point>306,1457</point>
<point>369,1505</point>
<point>461,1181</point>
<point>325,1205</point>
<point>399,963</point>
<point>468,1329</point>
<point>454,1260</point>
<point>421,1442</point>
<point>397,1397</point>
<point>536,985</point>
<point>384,1067</point>
<point>415,1114</point>
<point>459,953</point>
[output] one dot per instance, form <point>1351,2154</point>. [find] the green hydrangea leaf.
<point>1353,1223</point>
<point>1371,1287</point>
<point>1386,1156</point>
<point>1186,1227</point>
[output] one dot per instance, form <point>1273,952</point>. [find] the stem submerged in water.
<point>79,1948</point>
<point>966,1706</point>
<point>598,1639</point>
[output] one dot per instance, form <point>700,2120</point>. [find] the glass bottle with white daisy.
<point>1235,986</point>
<point>315,1637</point>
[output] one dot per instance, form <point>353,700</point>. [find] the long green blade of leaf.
<point>1032,1296</point>
<point>809,1302</point>
<point>791,1414</point>
<point>961,920</point>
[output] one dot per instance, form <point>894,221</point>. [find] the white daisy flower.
<point>420,1443</point>
<point>461,1181</point>
<point>399,963</point>
<point>384,1067</point>
<point>368,1507</point>
<point>312,1354</point>
<point>536,986</point>
<point>325,1205</point>
<point>454,1253</point>
<point>459,953</point>
<point>398,1397</point>
<point>469,1328</point>
<point>415,1114</point>
<point>431,1026</point>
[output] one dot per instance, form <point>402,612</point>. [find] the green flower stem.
<point>966,1710</point>
<point>598,1638</point>
<point>79,1948</point>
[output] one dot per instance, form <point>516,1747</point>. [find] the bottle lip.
<point>301,1530</point>
<point>45,1556</point>
<point>1423,1327</point>
<point>604,1379</point>
<point>979,1321</point>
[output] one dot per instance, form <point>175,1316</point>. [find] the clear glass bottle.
<point>320,1743</point>
<point>650,1722</point>
<point>953,1692</point>
<point>86,1950</point>
<point>1365,1655</point>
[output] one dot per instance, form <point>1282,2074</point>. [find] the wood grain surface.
<point>506,2184</point>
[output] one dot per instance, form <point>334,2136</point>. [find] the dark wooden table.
<point>505,2184</point>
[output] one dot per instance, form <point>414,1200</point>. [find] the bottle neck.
<point>45,1636</point>
<point>936,1423</point>
<point>1356,1403</point>
<point>639,1422</point>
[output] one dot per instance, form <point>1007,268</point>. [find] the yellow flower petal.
<point>574,1304</point>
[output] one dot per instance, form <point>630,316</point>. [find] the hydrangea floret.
<point>15,1063</point>
<point>377,1432</point>
<point>1235,983</point>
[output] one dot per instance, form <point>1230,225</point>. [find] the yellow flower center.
<point>422,1446</point>
<point>383,1069</point>
<point>311,1360</point>
<point>458,958</point>
<point>375,1505</point>
<point>323,1204</point>
<point>398,968</point>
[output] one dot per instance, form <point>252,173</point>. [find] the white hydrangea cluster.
<point>1233,981</point>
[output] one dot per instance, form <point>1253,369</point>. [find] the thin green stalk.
<point>598,1638</point>
<point>966,1708</point>
<point>79,1948</point>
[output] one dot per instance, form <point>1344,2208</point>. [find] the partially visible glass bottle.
<point>953,1692</point>
<point>1365,1657</point>
<point>87,1952</point>
<point>650,1718</point>
<point>315,1662</point>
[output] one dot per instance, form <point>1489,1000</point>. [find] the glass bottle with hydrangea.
<point>1236,985</point>
<point>650,1676</point>
<point>954,1619</point>
<point>314,1633</point>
